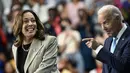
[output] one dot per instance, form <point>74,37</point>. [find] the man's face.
<point>52,14</point>
<point>108,24</point>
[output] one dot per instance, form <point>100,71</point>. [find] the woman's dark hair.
<point>17,28</point>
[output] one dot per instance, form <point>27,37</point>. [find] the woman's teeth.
<point>29,29</point>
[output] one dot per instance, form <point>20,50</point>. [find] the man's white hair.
<point>110,10</point>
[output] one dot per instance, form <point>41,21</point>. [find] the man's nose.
<point>104,27</point>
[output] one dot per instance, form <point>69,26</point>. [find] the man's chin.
<point>109,34</point>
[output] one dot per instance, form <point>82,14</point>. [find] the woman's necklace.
<point>26,50</point>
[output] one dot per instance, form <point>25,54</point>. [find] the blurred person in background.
<point>117,3</point>
<point>69,42</point>
<point>41,9</point>
<point>1,8</point>
<point>91,11</point>
<point>3,39</point>
<point>85,25</point>
<point>6,6</point>
<point>52,3</point>
<point>67,65</point>
<point>9,68</point>
<point>33,50</point>
<point>53,24</point>
<point>61,7</point>
<point>2,61</point>
<point>72,11</point>
<point>115,53</point>
<point>29,4</point>
<point>126,11</point>
<point>9,25</point>
<point>85,29</point>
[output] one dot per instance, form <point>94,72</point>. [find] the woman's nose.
<point>30,22</point>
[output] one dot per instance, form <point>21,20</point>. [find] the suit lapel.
<point>15,53</point>
<point>14,49</point>
<point>122,41</point>
<point>109,44</point>
<point>34,48</point>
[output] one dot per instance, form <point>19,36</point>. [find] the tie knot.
<point>115,38</point>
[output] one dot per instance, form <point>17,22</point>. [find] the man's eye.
<point>104,22</point>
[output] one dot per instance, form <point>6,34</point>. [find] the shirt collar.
<point>121,31</point>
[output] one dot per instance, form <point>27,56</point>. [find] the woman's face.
<point>29,27</point>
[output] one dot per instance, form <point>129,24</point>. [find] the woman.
<point>33,50</point>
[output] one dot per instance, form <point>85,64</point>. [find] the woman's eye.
<point>33,20</point>
<point>25,21</point>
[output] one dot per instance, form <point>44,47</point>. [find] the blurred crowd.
<point>69,20</point>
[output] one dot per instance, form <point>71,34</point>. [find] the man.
<point>115,54</point>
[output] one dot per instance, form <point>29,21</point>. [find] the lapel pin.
<point>123,39</point>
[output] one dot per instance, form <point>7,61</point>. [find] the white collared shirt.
<point>118,37</point>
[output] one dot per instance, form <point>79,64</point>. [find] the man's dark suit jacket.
<point>119,61</point>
